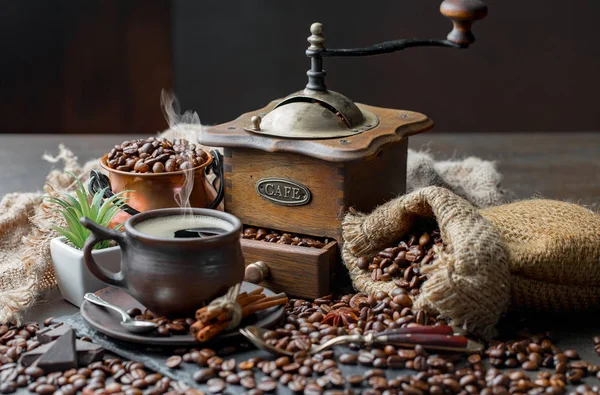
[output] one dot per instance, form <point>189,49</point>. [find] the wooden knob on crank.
<point>463,13</point>
<point>256,272</point>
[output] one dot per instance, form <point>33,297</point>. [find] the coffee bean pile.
<point>596,340</point>
<point>166,326</point>
<point>403,262</point>
<point>316,322</point>
<point>313,323</point>
<point>14,341</point>
<point>107,377</point>
<point>275,236</point>
<point>532,353</point>
<point>309,323</point>
<point>155,155</point>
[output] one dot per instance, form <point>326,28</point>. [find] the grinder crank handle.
<point>430,341</point>
<point>463,13</point>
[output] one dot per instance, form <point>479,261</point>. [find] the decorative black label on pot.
<point>282,191</point>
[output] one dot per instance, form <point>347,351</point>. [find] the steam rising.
<point>172,112</point>
<point>188,127</point>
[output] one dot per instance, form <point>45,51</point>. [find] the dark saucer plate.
<point>108,322</point>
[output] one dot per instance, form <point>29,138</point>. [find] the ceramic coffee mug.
<point>171,276</point>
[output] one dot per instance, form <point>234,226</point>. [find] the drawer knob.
<point>256,272</point>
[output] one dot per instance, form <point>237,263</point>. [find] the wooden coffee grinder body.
<point>267,179</point>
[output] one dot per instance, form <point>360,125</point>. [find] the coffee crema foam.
<point>165,227</point>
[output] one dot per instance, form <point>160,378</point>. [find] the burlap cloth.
<point>25,263</point>
<point>534,255</point>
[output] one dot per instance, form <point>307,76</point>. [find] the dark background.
<point>98,66</point>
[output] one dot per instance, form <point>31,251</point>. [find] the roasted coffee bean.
<point>267,384</point>
<point>216,385</point>
<point>162,330</point>
<point>574,376</point>
<point>246,365</point>
<point>348,359</point>
<point>474,358</point>
<point>174,361</point>
<point>203,375</point>
<point>366,358</point>
<point>45,389</point>
<point>228,365</point>
<point>9,387</point>
<point>530,365</point>
<point>296,386</point>
<point>571,354</point>
<point>313,389</point>
<point>248,382</point>
<point>380,362</point>
<point>363,263</point>
<point>34,372</point>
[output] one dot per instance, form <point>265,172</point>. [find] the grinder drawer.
<point>302,272</point>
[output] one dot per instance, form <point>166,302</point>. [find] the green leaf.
<point>71,236</point>
<point>72,201</point>
<point>111,206</point>
<point>96,204</point>
<point>83,201</point>
<point>72,208</point>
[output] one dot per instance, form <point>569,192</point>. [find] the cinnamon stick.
<point>196,327</point>
<point>250,299</point>
<point>210,331</point>
<point>266,303</point>
<point>257,291</point>
<point>212,320</point>
<point>207,315</point>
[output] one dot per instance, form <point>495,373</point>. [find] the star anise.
<point>343,316</point>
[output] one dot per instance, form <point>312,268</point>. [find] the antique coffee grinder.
<point>299,163</point>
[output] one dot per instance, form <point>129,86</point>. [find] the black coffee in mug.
<point>184,226</point>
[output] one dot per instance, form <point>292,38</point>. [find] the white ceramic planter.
<point>73,277</point>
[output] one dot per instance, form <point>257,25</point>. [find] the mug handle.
<point>100,233</point>
<point>217,168</point>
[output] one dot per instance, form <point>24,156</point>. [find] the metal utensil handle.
<point>217,168</point>
<point>95,299</point>
<point>459,342</point>
<point>425,330</point>
<point>99,182</point>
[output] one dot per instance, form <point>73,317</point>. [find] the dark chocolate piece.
<point>86,353</point>
<point>52,333</point>
<point>28,358</point>
<point>61,356</point>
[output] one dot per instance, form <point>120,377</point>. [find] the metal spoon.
<point>127,322</point>
<point>430,337</point>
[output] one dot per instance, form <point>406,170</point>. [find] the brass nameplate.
<point>282,191</point>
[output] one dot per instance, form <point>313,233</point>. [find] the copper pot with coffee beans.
<point>157,173</point>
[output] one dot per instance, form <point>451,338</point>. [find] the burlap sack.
<point>539,255</point>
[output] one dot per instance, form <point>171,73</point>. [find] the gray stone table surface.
<point>563,166</point>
